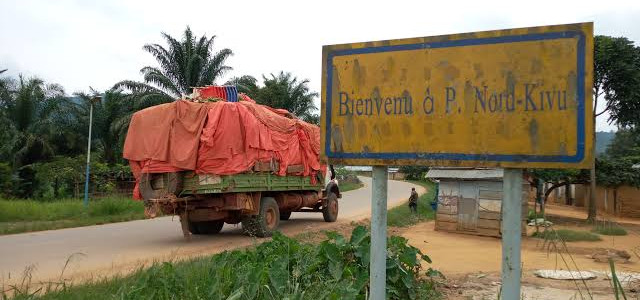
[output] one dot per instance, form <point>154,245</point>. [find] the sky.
<point>83,44</point>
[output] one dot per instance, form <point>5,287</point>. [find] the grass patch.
<point>283,268</point>
<point>609,229</point>
<point>350,186</point>
<point>567,235</point>
<point>18,216</point>
<point>401,216</point>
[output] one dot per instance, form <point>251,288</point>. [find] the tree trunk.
<point>591,218</point>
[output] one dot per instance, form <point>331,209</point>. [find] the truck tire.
<point>172,184</point>
<point>330,208</point>
<point>206,227</point>
<point>266,222</point>
<point>285,215</point>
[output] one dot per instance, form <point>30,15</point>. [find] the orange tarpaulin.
<point>219,138</point>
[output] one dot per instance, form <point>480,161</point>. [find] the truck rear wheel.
<point>266,222</point>
<point>206,227</point>
<point>330,208</point>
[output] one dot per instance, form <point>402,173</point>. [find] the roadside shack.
<point>470,200</point>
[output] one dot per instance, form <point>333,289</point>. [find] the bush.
<point>6,179</point>
<point>414,172</point>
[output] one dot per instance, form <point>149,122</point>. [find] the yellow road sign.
<point>511,98</point>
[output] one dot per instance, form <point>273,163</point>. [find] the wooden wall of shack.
<point>474,206</point>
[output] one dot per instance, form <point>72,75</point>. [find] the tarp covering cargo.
<point>220,138</point>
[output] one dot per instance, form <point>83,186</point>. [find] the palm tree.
<point>286,91</point>
<point>29,112</point>
<point>183,65</point>
<point>111,116</point>
<point>245,84</point>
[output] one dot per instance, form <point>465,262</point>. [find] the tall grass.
<point>609,228</point>
<point>28,215</point>
<point>401,216</point>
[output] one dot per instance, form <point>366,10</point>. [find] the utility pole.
<point>86,179</point>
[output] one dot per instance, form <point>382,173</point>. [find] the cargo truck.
<point>258,196</point>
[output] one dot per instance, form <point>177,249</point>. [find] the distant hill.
<point>603,139</point>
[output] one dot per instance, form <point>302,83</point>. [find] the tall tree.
<point>617,81</point>
<point>111,116</point>
<point>625,143</point>
<point>182,65</point>
<point>281,91</point>
<point>245,84</point>
<point>30,108</point>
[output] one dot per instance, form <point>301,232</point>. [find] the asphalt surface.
<point>118,248</point>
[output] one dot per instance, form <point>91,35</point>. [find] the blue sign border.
<point>580,151</point>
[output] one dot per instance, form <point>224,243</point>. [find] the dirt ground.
<point>472,264</point>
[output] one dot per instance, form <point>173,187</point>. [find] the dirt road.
<point>121,247</point>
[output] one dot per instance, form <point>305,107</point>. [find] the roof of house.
<point>459,173</point>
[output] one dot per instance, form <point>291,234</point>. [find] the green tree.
<point>111,116</point>
<point>414,172</point>
<point>625,143</point>
<point>182,65</point>
<point>615,167</point>
<point>30,109</point>
<point>617,81</point>
<point>281,91</point>
<point>245,84</point>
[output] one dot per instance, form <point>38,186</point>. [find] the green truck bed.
<point>247,182</point>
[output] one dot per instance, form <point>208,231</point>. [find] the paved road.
<point>121,247</point>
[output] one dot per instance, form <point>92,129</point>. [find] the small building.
<point>470,200</point>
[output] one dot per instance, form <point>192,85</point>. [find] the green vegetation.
<point>18,216</point>
<point>349,186</point>
<point>337,268</point>
<point>401,216</point>
<point>567,235</point>
<point>182,65</point>
<point>414,172</point>
<point>609,229</point>
<point>281,91</point>
<point>531,215</point>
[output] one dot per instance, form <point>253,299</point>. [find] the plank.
<point>446,217</point>
<point>489,215</point>
<point>446,226</point>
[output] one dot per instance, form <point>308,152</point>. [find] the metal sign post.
<point>511,233</point>
<point>378,262</point>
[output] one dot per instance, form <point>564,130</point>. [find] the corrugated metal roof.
<point>457,173</point>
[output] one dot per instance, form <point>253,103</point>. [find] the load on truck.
<point>218,157</point>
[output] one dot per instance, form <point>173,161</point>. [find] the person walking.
<point>413,201</point>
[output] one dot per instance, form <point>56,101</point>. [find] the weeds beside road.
<point>349,186</point>
<point>284,268</point>
<point>401,216</point>
<point>17,216</point>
